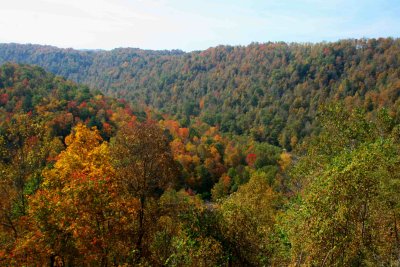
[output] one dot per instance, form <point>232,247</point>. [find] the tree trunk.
<point>141,230</point>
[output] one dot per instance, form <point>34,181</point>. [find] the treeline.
<point>271,92</point>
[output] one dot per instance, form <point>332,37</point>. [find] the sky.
<point>193,25</point>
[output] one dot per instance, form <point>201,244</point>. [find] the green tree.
<point>346,214</point>
<point>248,219</point>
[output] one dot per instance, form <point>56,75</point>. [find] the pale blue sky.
<point>193,25</point>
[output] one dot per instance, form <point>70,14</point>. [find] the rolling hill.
<point>270,91</point>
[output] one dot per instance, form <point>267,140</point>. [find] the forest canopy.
<point>271,91</point>
<point>266,155</point>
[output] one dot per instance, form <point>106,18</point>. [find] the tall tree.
<point>76,214</point>
<point>347,212</point>
<point>144,167</point>
<point>248,219</point>
<point>24,148</point>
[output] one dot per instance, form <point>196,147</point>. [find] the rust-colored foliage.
<point>251,159</point>
<point>144,168</point>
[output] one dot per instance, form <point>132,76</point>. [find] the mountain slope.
<point>271,91</point>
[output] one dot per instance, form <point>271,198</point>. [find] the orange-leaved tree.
<point>77,215</point>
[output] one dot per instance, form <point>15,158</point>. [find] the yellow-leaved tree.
<point>77,216</point>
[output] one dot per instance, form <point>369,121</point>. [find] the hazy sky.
<point>192,25</point>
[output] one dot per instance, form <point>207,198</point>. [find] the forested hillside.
<point>73,160</point>
<point>186,164</point>
<point>271,91</point>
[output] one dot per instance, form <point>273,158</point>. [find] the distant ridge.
<point>270,90</point>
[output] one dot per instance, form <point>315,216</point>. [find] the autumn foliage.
<point>279,155</point>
